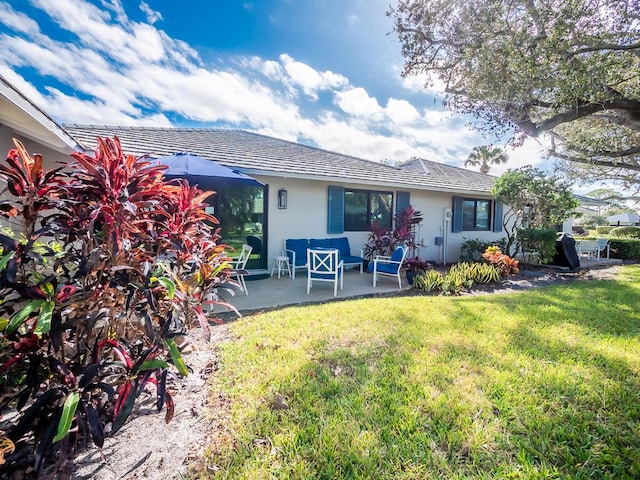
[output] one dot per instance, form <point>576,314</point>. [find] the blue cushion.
<point>398,253</point>
<point>388,267</point>
<point>326,276</point>
<point>299,246</point>
<point>320,243</point>
<point>351,259</point>
<point>342,245</point>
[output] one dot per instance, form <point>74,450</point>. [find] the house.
<point>624,219</point>
<point>306,192</point>
<point>22,119</point>
<point>313,193</point>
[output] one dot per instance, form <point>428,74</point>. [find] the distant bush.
<point>603,230</point>
<point>472,249</point>
<point>625,232</point>
<point>626,249</point>
<point>539,240</point>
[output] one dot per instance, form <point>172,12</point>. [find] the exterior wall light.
<point>282,199</point>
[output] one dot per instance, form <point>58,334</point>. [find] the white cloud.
<point>152,15</point>
<point>310,80</point>
<point>424,83</point>
<point>401,111</point>
<point>357,102</point>
<point>16,20</point>
<point>122,69</point>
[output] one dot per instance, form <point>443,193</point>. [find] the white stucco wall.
<point>433,206</point>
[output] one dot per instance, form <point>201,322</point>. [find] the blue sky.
<point>320,72</point>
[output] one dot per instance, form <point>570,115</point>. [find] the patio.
<point>274,292</point>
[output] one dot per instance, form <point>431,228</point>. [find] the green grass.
<point>538,384</point>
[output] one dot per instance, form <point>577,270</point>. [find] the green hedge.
<point>625,232</point>
<point>625,248</point>
<point>603,230</point>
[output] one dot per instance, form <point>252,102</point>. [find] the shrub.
<point>472,249</point>
<point>429,281</point>
<point>539,240</point>
<point>504,263</point>
<point>89,321</point>
<point>602,230</point>
<point>484,273</point>
<point>458,278</point>
<point>626,249</point>
<point>625,232</point>
<point>382,241</point>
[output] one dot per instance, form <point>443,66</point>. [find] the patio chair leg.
<point>244,285</point>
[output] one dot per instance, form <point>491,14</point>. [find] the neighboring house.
<point>585,205</point>
<point>624,219</point>
<point>327,193</point>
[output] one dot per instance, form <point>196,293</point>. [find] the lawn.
<point>537,384</point>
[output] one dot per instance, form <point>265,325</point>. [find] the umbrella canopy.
<point>187,165</point>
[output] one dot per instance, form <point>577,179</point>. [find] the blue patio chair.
<point>324,266</point>
<point>390,266</point>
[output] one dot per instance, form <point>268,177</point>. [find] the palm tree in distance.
<point>484,156</point>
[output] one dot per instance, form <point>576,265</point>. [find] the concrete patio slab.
<point>273,292</point>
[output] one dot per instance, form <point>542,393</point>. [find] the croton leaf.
<point>44,445</point>
<point>169,285</point>
<point>178,361</point>
<point>68,412</point>
<point>126,407</point>
<point>4,260</point>
<point>152,365</point>
<point>44,319</point>
<point>19,318</point>
<point>93,420</point>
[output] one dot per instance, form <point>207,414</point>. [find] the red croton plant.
<point>103,265</point>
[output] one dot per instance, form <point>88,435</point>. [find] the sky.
<point>320,72</point>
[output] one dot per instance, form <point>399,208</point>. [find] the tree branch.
<point>592,161</point>
<point>604,46</point>
<point>523,119</point>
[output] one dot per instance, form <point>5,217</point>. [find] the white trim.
<point>38,126</point>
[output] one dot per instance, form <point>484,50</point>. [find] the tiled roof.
<point>261,155</point>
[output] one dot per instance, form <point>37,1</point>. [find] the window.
<point>362,208</point>
<point>476,214</point>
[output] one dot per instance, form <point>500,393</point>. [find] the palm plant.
<point>485,155</point>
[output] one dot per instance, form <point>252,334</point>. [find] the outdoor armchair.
<point>390,266</point>
<point>603,246</point>
<point>239,264</point>
<point>324,266</point>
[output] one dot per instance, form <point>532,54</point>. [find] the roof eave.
<point>358,181</point>
<point>55,137</point>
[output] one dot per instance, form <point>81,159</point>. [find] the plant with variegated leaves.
<point>108,265</point>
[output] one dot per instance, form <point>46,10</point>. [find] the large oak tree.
<point>569,68</point>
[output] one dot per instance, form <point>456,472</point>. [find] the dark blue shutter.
<point>456,222</point>
<point>497,216</point>
<point>335,217</point>
<point>402,201</point>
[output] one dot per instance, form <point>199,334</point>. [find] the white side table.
<point>281,263</point>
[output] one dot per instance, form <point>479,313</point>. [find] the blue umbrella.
<point>203,170</point>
